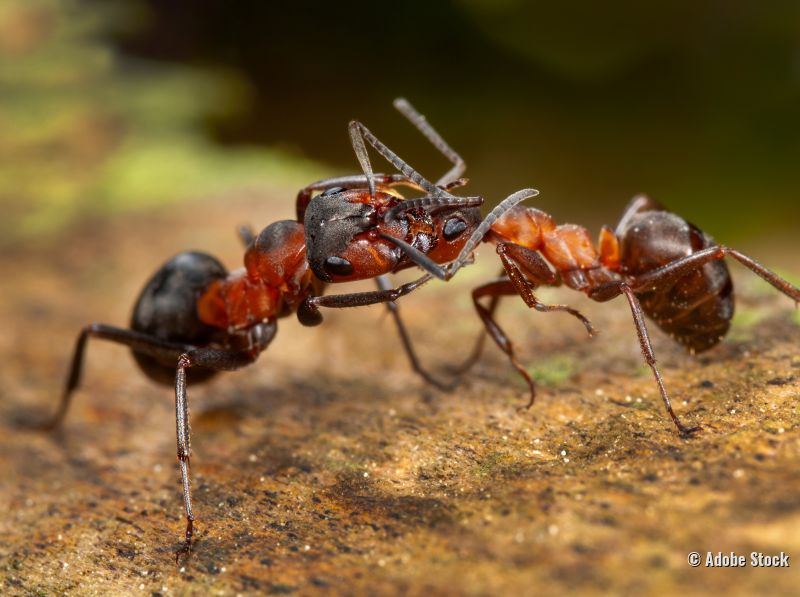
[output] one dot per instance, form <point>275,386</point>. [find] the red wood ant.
<point>667,269</point>
<point>194,318</point>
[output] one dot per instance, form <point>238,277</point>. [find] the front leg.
<point>506,287</point>
<point>360,299</point>
<point>408,346</point>
<point>308,314</point>
<point>515,259</point>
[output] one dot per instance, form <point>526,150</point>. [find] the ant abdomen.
<point>166,309</point>
<point>697,308</point>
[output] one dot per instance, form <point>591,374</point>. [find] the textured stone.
<point>329,467</point>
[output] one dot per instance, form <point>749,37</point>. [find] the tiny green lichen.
<point>554,370</point>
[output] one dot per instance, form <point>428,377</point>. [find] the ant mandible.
<point>667,269</point>
<point>194,318</point>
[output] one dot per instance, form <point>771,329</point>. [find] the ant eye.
<point>337,266</point>
<point>453,228</point>
<point>331,191</point>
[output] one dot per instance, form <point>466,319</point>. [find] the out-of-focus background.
<point>128,104</point>
<point>131,130</point>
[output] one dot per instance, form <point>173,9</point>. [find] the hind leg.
<point>608,291</point>
<point>681,267</point>
<point>664,276</point>
<point>142,343</point>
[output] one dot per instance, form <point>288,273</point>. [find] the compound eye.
<point>337,266</point>
<point>331,191</point>
<point>453,228</point>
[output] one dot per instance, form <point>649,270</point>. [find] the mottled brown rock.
<point>329,468</point>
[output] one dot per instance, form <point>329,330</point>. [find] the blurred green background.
<point>119,105</point>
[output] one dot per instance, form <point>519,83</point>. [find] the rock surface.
<point>328,467</point>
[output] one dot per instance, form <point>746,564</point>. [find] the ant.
<point>667,269</point>
<point>194,318</point>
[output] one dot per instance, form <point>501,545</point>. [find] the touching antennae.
<point>432,202</point>
<point>477,236</point>
<point>424,127</point>
<point>445,273</point>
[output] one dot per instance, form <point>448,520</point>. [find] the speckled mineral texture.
<point>329,468</point>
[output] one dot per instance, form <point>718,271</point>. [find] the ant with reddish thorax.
<point>194,318</point>
<point>667,268</point>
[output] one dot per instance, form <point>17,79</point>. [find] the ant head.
<point>453,219</point>
<point>343,231</point>
<point>332,220</point>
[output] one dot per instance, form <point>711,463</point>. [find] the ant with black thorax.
<point>194,318</point>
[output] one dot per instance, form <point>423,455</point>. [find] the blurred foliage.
<point>693,102</point>
<point>581,40</point>
<point>83,129</point>
<point>109,104</point>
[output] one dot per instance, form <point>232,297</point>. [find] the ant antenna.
<point>360,150</point>
<point>423,126</point>
<point>358,132</point>
<point>432,202</point>
<point>445,273</point>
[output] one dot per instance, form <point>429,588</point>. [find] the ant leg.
<point>360,299</point>
<point>612,289</point>
<point>424,127</point>
<point>495,290</point>
<point>386,295</point>
<point>505,287</point>
<point>358,132</point>
<point>137,341</point>
<point>681,267</point>
<point>538,273</point>
<point>394,309</point>
<point>246,234</point>
<point>477,350</point>
<point>218,360</point>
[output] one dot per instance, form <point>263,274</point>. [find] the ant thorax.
<point>567,247</point>
<point>275,279</point>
